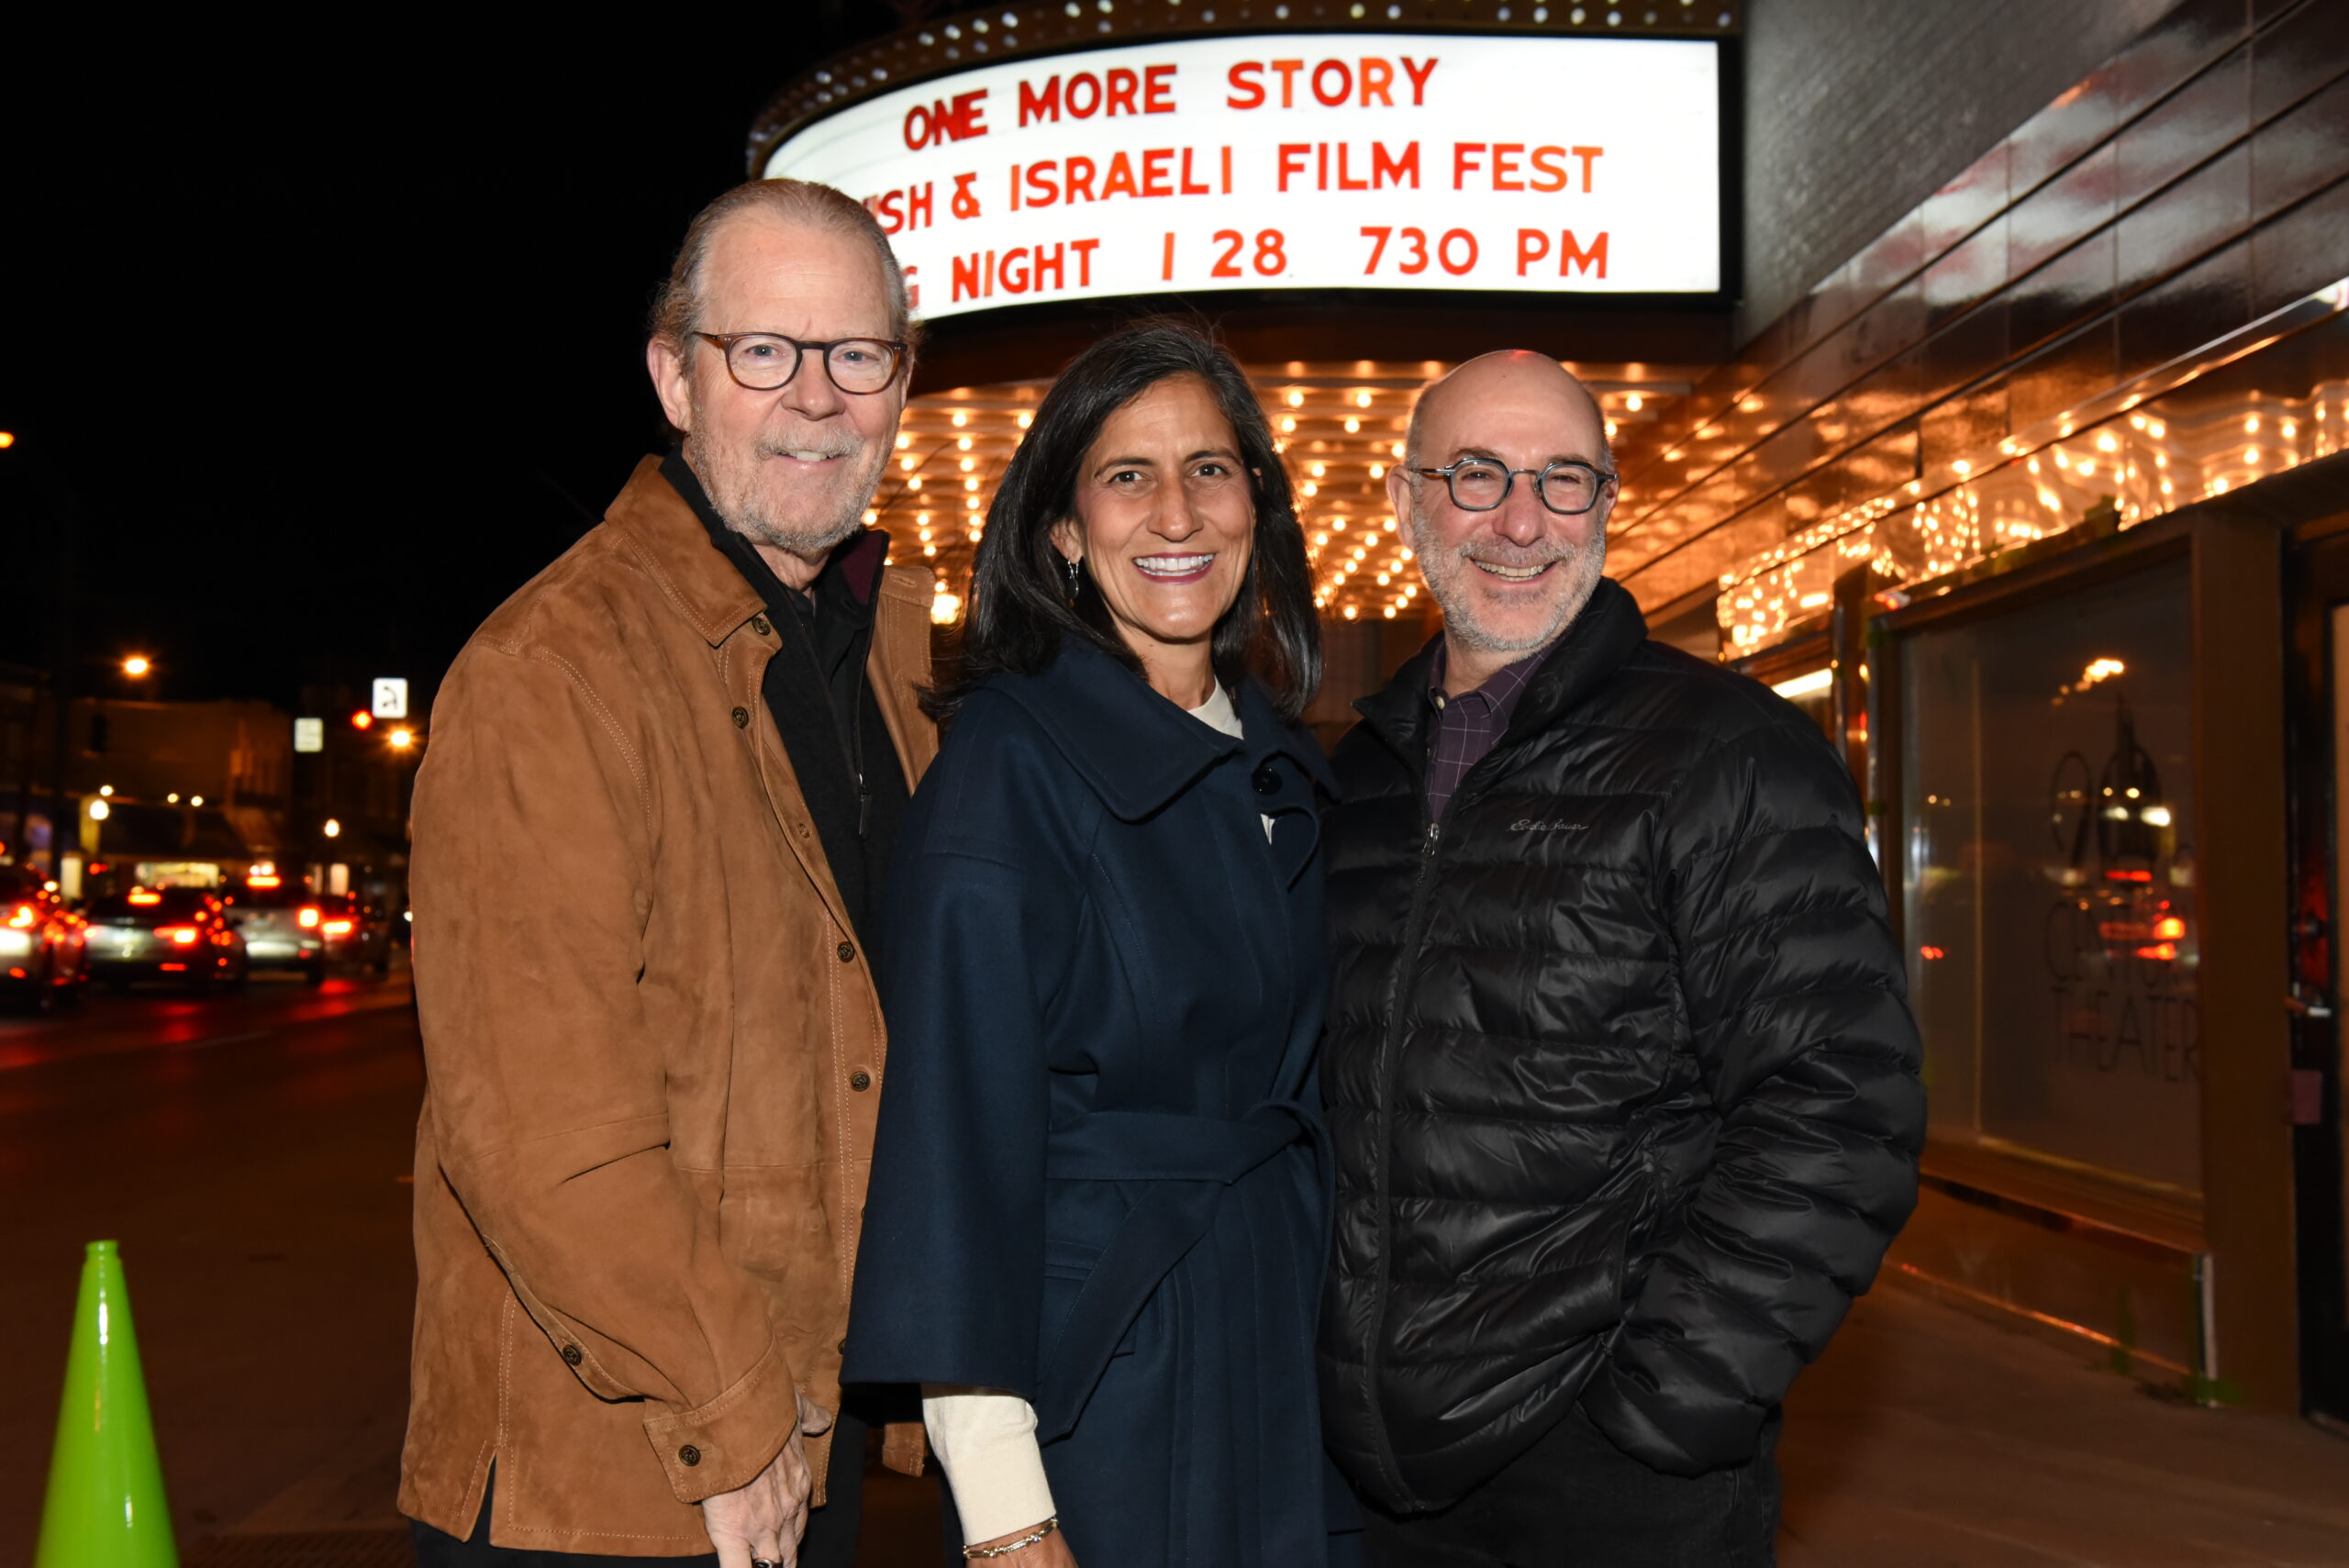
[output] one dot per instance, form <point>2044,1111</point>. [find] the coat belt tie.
<point>1195,1161</point>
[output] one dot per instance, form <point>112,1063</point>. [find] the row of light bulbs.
<point>2141,463</point>
<point>1339,428</point>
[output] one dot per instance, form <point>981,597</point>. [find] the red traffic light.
<point>363,720</point>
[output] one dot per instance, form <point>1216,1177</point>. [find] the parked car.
<point>179,934</point>
<point>43,950</point>
<point>356,931</point>
<point>283,925</point>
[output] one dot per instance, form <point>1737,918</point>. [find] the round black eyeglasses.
<point>1479,484</point>
<point>765,361</point>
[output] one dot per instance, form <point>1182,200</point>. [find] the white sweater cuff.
<point>985,1443</point>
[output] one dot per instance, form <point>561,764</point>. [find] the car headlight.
<point>15,944</point>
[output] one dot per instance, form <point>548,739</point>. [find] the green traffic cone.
<point>106,1506</point>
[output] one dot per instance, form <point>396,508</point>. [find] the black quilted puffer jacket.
<point>1623,1084</point>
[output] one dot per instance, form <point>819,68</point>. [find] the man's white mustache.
<point>811,450</point>
<point>1483,551</point>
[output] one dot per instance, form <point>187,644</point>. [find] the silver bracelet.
<point>976,1554</point>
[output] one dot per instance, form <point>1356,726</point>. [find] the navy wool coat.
<point>1100,1180</point>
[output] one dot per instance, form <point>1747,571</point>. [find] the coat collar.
<point>659,528</point>
<point>1134,749</point>
<point>1594,647</point>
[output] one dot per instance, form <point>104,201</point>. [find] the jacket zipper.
<point>1383,1075</point>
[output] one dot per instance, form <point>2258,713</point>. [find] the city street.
<point>251,1154</point>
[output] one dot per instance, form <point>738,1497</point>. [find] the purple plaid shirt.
<point>1468,726</point>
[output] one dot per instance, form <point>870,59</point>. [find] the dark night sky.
<point>330,348</point>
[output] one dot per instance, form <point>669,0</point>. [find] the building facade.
<point>2005,439</point>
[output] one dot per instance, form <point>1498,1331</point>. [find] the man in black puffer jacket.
<point>1623,1084</point>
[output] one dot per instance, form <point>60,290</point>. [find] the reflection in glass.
<point>2050,880</point>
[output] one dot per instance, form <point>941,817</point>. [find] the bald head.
<point>1518,377</point>
<point>1510,573</point>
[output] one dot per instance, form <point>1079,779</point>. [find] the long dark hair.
<point>1019,605</point>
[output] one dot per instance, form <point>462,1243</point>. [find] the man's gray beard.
<point>1444,571</point>
<point>732,481</point>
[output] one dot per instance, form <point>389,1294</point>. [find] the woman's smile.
<point>1192,568</point>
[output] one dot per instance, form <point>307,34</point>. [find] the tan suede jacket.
<point>653,1046</point>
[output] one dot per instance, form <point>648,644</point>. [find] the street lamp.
<point>100,811</point>
<point>333,828</point>
<point>136,665</point>
<point>8,440</point>
<point>402,738</point>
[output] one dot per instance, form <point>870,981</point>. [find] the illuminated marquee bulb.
<point>962,443</point>
<point>961,418</point>
<point>1296,398</point>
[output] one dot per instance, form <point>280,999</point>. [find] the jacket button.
<point>860,1081</point>
<point>847,951</point>
<point>1266,781</point>
<point>741,718</point>
<point>572,1355</point>
<point>689,1456</point>
<point>759,625</point>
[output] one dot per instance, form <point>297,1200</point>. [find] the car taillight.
<point>181,935</point>
<point>337,928</point>
<point>310,918</point>
<point>24,917</point>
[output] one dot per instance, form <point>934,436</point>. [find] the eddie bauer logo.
<point>1556,825</point>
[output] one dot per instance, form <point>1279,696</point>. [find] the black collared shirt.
<point>823,706</point>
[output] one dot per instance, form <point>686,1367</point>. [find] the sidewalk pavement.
<point>1929,1438</point>
<point>1925,1438</point>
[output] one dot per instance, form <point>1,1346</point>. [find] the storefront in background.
<point>2034,498</point>
<point>2031,501</point>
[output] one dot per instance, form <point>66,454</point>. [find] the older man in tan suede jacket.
<point>656,810</point>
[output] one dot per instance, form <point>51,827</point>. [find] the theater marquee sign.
<point>1556,165</point>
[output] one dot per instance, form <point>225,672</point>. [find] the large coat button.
<point>741,718</point>
<point>1266,781</point>
<point>689,1455</point>
<point>847,951</point>
<point>759,625</point>
<point>860,1081</point>
<point>572,1355</point>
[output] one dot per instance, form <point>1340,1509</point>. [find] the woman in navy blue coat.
<point>1097,1225</point>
